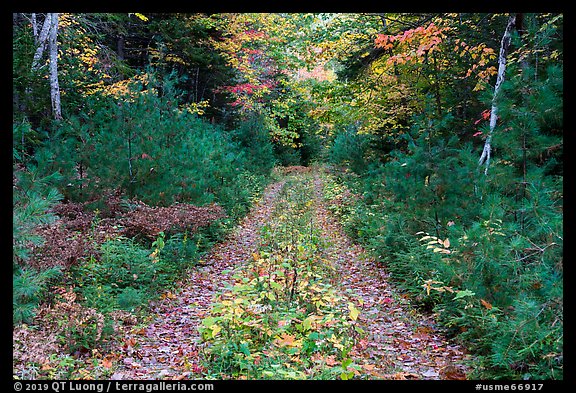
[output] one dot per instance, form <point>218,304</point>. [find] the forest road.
<point>399,342</point>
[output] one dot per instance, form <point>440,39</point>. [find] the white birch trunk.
<point>35,28</point>
<point>505,43</point>
<point>41,41</point>
<point>54,85</point>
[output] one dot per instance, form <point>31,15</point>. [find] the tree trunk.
<point>120,47</point>
<point>41,41</point>
<point>485,157</point>
<point>54,85</point>
<point>34,27</point>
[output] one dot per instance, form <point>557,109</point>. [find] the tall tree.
<point>485,157</point>
<point>54,84</point>
<point>40,39</point>
<point>48,36</point>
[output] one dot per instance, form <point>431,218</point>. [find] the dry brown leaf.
<point>330,360</point>
<point>486,304</point>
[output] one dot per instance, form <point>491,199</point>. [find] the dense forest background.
<point>140,133</point>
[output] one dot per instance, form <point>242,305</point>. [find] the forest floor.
<point>398,342</point>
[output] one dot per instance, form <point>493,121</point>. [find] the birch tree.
<point>48,36</point>
<point>40,39</point>
<point>505,43</point>
<point>54,85</point>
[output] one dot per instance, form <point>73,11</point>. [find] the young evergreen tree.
<point>33,195</point>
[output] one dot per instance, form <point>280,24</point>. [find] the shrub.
<point>181,249</point>
<point>28,288</point>
<point>348,149</point>
<point>33,196</point>
<point>146,148</point>
<point>130,299</point>
<point>122,264</point>
<point>79,328</point>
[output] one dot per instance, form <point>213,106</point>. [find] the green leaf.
<point>462,294</point>
<point>346,363</point>
<point>208,321</point>
<point>245,349</point>
<point>307,323</point>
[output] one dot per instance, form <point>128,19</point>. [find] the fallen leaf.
<point>106,362</point>
<point>430,374</point>
<point>285,340</point>
<point>486,304</point>
<point>330,360</point>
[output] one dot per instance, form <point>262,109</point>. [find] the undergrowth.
<point>280,318</point>
<point>476,278</point>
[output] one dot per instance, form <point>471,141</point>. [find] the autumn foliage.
<point>288,196</point>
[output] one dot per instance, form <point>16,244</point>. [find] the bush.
<point>146,148</point>
<point>28,288</point>
<point>130,299</point>
<point>32,198</point>
<point>109,281</point>
<point>349,149</point>
<point>181,249</point>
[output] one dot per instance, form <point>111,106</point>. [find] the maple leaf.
<point>286,340</point>
<point>168,295</point>
<point>215,330</point>
<point>283,323</point>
